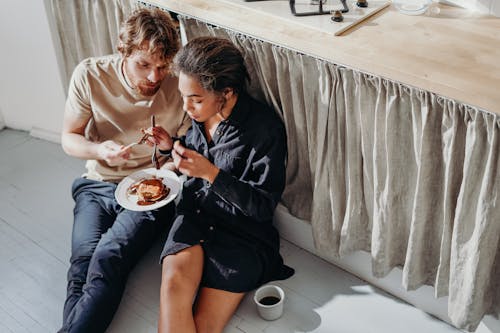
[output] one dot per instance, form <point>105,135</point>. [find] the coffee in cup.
<point>269,300</point>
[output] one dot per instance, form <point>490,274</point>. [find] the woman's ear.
<point>227,93</point>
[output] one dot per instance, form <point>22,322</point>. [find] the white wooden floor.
<point>35,229</point>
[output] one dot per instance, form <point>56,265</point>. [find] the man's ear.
<point>122,50</point>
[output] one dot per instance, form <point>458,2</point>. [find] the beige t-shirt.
<point>98,91</point>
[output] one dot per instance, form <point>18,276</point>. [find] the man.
<point>110,100</point>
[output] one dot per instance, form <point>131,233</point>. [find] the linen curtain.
<point>86,28</point>
<point>374,165</point>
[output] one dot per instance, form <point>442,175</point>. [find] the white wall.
<point>31,91</point>
<point>2,123</point>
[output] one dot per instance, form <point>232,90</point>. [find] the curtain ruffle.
<point>87,28</point>
<point>409,176</point>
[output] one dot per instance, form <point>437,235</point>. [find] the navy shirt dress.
<point>232,218</point>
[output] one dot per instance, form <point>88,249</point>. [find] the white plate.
<point>129,201</point>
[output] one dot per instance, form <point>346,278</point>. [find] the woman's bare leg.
<point>181,275</point>
<point>214,308</point>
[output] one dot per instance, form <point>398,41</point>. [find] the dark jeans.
<point>107,242</point>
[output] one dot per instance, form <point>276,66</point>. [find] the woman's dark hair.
<point>149,29</point>
<point>215,62</point>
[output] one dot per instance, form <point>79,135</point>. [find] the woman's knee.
<point>172,279</point>
<point>181,272</point>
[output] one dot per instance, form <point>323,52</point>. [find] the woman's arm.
<point>254,194</point>
<point>257,192</point>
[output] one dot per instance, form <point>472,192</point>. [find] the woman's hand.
<point>193,164</point>
<point>159,136</point>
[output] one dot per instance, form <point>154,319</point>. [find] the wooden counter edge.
<point>343,50</point>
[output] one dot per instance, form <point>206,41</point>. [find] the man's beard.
<point>147,90</point>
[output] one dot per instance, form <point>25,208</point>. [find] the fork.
<point>140,142</point>
<point>154,158</point>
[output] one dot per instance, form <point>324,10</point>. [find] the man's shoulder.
<point>169,91</point>
<point>95,71</point>
<point>97,65</point>
<point>170,83</point>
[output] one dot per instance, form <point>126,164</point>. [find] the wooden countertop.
<point>448,51</point>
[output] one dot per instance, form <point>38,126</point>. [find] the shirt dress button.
<point>211,228</point>
<point>219,132</point>
<point>197,211</point>
<point>202,240</point>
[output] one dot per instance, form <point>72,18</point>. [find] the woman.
<point>222,243</point>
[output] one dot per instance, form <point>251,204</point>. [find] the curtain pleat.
<point>87,28</point>
<point>475,237</point>
<point>374,165</point>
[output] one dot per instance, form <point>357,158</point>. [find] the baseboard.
<point>299,232</point>
<point>46,134</point>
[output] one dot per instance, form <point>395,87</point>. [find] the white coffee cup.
<point>269,299</point>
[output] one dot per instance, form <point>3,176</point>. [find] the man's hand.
<point>193,164</point>
<point>113,153</point>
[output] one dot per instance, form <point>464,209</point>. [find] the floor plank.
<point>35,230</point>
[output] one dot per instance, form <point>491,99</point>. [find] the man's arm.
<point>75,144</point>
<point>73,138</point>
